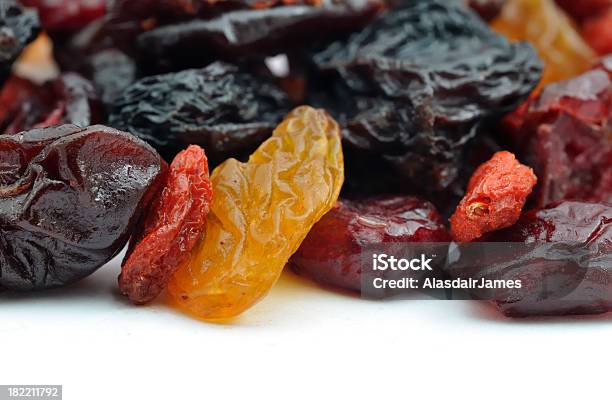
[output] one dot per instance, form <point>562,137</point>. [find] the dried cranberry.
<point>564,135</point>
<point>70,99</point>
<point>69,199</point>
<point>67,15</point>
<point>562,255</point>
<point>332,251</point>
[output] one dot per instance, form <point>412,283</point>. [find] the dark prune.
<point>252,33</point>
<point>332,251</point>
<point>562,255</point>
<point>18,27</point>
<point>221,108</point>
<point>111,72</point>
<point>421,81</point>
<point>171,228</point>
<point>564,135</point>
<point>15,91</point>
<point>69,199</point>
<point>67,15</point>
<point>70,99</point>
<point>494,199</point>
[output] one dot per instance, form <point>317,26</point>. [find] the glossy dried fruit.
<point>494,199</point>
<point>555,36</point>
<point>261,212</point>
<point>332,252</point>
<point>221,108</point>
<point>70,99</point>
<point>69,198</point>
<point>252,33</point>
<point>564,135</point>
<point>597,31</point>
<point>172,226</point>
<point>67,15</point>
<point>562,254</point>
<point>18,27</point>
<point>415,86</point>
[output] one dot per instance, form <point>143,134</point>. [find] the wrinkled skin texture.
<point>67,15</point>
<point>226,111</point>
<point>415,95</point>
<point>564,135</point>
<point>494,199</point>
<point>261,212</point>
<point>18,27</point>
<point>550,30</point>
<point>172,226</point>
<point>69,199</point>
<point>332,252</point>
<point>70,99</point>
<point>252,33</point>
<point>563,257</point>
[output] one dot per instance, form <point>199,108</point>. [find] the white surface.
<point>301,345</point>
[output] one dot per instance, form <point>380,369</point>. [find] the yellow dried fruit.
<point>261,212</point>
<point>551,31</point>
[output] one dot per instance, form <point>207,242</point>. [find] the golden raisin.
<point>551,31</point>
<point>261,212</point>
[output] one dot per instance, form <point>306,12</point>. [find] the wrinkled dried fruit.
<point>415,86</point>
<point>597,31</point>
<point>332,252</point>
<point>251,33</point>
<point>547,27</point>
<point>111,72</point>
<point>562,254</point>
<point>70,99</point>
<point>564,135</point>
<point>172,226</point>
<point>494,199</point>
<point>69,198</point>
<point>67,15</point>
<point>221,108</point>
<point>261,212</point>
<point>18,27</point>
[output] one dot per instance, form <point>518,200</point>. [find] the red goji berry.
<point>172,226</point>
<point>494,199</point>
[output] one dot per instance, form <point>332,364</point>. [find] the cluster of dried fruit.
<point>426,96</point>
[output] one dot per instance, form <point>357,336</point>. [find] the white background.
<point>301,345</point>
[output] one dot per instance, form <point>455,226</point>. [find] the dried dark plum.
<point>69,199</point>
<point>252,33</point>
<point>562,254</point>
<point>221,108</point>
<point>67,15</point>
<point>332,252</point>
<point>564,135</point>
<point>420,81</point>
<point>111,72</point>
<point>18,27</point>
<point>70,99</point>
